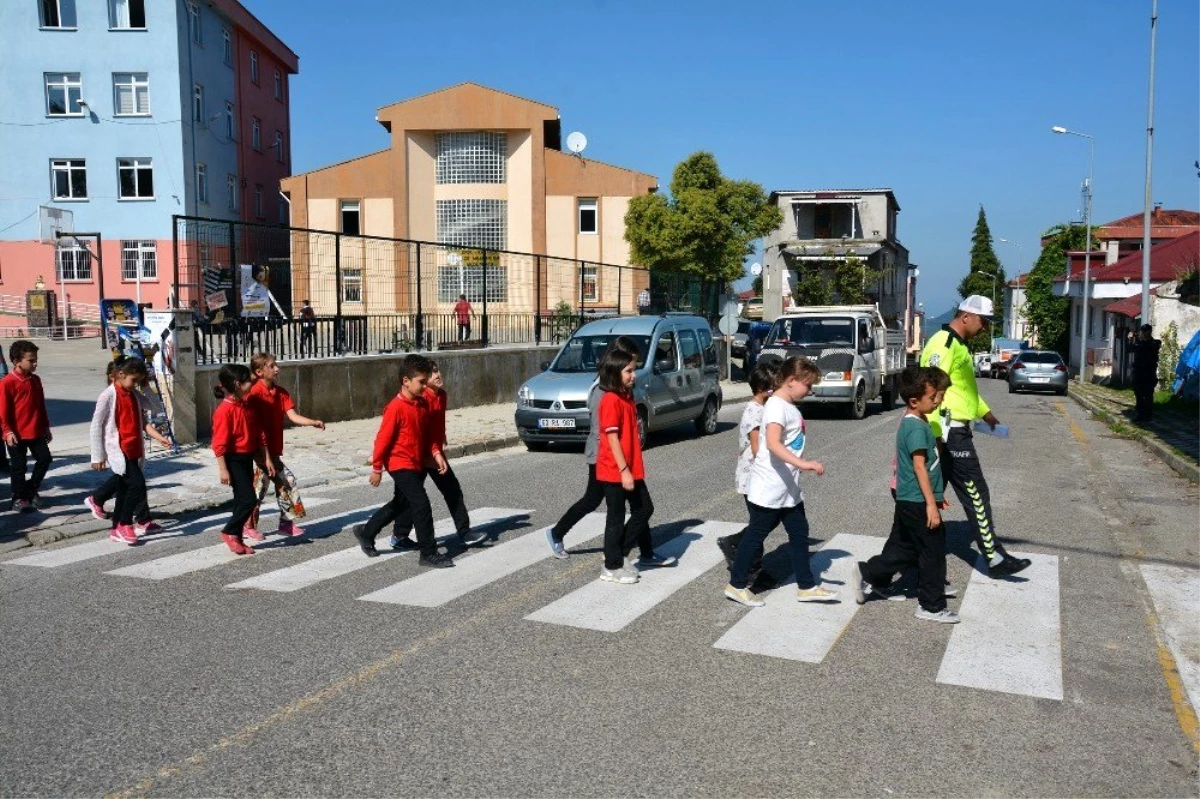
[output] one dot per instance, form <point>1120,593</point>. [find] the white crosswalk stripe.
<point>610,607</point>
<point>1009,639</point>
<point>1176,595</point>
<point>342,562</point>
<point>805,631</point>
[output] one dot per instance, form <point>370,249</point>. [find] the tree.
<point>1048,315</point>
<point>851,278</point>
<point>986,277</point>
<point>812,288</point>
<point>704,229</point>
<point>756,285</point>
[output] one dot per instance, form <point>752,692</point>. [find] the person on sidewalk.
<point>947,350</point>
<point>25,425</point>
<point>1145,372</point>
<point>238,443</point>
<point>462,314</point>
<point>918,537</point>
<point>270,403</point>
<point>402,446</point>
<point>308,330</point>
<point>446,482</point>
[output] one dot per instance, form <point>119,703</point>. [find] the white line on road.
<point>1009,639</point>
<point>1176,595</point>
<point>609,607</point>
<point>806,631</point>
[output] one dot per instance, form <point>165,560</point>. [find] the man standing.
<point>1145,372</point>
<point>643,301</point>
<point>308,330</point>
<point>463,313</point>
<point>951,423</point>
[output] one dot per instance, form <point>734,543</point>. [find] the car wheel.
<point>706,423</point>
<point>858,408</point>
<point>643,427</point>
<point>537,446</point>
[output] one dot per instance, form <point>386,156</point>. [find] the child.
<point>446,482</point>
<point>238,442</point>
<point>762,379</point>
<point>116,439</point>
<point>270,403</point>
<point>108,489</point>
<point>25,425</point>
<point>593,495</point>
<point>619,467</point>
<point>918,536</point>
<point>773,495</point>
<point>402,446</point>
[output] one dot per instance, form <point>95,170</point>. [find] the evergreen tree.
<point>1048,315</point>
<point>986,278</point>
<point>812,288</point>
<point>854,279</point>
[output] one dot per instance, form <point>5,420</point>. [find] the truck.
<point>859,356</point>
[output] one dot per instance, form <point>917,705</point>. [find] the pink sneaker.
<point>287,527</point>
<point>252,534</point>
<point>147,527</point>
<point>95,508</point>
<point>125,534</point>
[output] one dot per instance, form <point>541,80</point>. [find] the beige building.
<point>468,167</point>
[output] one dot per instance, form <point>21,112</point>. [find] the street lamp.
<point>1087,255</point>
<point>1020,258</point>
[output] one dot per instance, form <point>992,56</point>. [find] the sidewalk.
<point>187,481</point>
<point>1172,435</point>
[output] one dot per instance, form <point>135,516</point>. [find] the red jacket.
<point>23,406</point>
<point>402,442</point>
<point>270,407</point>
<point>235,430</point>
<point>129,425</point>
<point>436,399</point>
<point>618,415</point>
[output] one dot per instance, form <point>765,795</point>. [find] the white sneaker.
<point>818,593</point>
<point>943,616</point>
<point>619,576</point>
<point>742,596</point>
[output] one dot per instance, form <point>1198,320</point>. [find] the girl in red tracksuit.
<point>238,441</point>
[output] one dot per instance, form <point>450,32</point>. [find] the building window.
<point>64,90</point>
<point>472,157</point>
<point>198,104</point>
<point>131,94</point>
<point>68,179</point>
<point>139,259</point>
<point>351,213</point>
<point>352,285</point>
<point>258,200</point>
<point>57,13</point>
<point>1078,318</point>
<point>226,47</point>
<point>279,147</point>
<point>135,179</point>
<point>1091,324</point>
<point>231,192</point>
<point>469,280</point>
<point>283,212</point>
<point>256,133</point>
<point>588,216</point>
<point>278,85</point>
<point>590,273</point>
<point>194,23</point>
<point>127,14</point>
<point>473,223</point>
<point>230,122</point>
<point>72,261</point>
<point>201,183</point>
<point>254,67</point>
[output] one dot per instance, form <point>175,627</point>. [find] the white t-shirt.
<point>774,484</point>
<point>751,420</point>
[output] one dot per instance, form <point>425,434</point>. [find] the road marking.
<point>609,607</point>
<point>345,561</point>
<point>219,554</point>
<point>1175,593</point>
<point>477,568</point>
<point>805,631</point>
<point>1009,639</point>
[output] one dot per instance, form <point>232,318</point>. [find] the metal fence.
<point>372,294</point>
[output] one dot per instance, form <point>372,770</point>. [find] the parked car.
<point>753,309</point>
<point>678,383</point>
<point>738,346</point>
<point>1037,370</point>
<point>983,364</point>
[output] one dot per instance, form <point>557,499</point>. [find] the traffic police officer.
<point>951,423</point>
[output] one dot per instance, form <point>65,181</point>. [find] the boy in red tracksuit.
<point>25,425</point>
<point>402,446</point>
<point>238,443</point>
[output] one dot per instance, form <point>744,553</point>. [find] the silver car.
<point>1037,370</point>
<point>680,383</point>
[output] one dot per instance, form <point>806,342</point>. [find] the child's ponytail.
<point>229,378</point>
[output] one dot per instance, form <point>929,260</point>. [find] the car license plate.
<point>556,423</point>
<point>1039,380</point>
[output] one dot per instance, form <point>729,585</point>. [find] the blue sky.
<point>949,104</point>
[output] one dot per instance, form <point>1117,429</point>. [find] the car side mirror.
<point>663,365</point>
<point>544,365</point>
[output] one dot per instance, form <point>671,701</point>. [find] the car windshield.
<point>582,353</point>
<point>744,327</point>
<point>804,332</point>
<point>1041,357</point>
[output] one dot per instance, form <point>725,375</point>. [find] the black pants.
<point>409,498</point>
<point>593,495</point>
<point>620,536</point>
<point>108,490</point>
<point>962,471</point>
<point>762,522</point>
<point>241,477</point>
<point>451,492</point>
<point>18,457</point>
<point>1143,392</point>
<point>464,331</point>
<point>131,494</point>
<point>912,543</point>
<point>308,338</point>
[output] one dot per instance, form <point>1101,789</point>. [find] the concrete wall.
<point>339,389</point>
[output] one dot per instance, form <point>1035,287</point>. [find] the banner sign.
<point>256,297</point>
<point>114,315</point>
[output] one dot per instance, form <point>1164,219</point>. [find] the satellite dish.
<point>576,142</point>
<point>756,269</point>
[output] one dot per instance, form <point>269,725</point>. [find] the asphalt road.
<point>121,685</point>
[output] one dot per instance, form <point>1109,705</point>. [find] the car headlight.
<point>837,375</point>
<point>524,397</point>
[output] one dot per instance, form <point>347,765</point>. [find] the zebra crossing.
<point>1009,640</point>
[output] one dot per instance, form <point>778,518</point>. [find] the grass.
<point>1165,400</point>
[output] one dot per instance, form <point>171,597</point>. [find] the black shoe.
<point>472,537</point>
<point>728,547</point>
<point>437,561</point>
<point>1009,566</point>
<point>365,542</point>
<point>403,544</point>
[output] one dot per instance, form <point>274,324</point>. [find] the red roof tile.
<point>1168,261</point>
<point>1163,224</point>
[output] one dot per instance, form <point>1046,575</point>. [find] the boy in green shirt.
<point>918,536</point>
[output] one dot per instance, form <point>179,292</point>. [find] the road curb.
<point>1168,456</point>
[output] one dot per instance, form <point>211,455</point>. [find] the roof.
<point>251,24</point>
<point>1018,281</point>
<point>465,84</point>
<point>883,190</point>
<point>1130,306</point>
<point>1164,223</point>
<point>1167,261</point>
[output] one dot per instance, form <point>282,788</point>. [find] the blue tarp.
<point>1187,371</point>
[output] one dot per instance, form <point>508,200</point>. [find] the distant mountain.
<point>935,323</point>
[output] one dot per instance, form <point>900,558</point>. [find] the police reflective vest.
<point>962,404</point>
